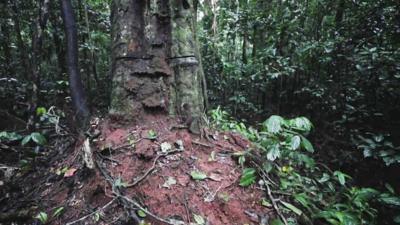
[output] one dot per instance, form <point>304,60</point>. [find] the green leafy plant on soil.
<point>307,191</point>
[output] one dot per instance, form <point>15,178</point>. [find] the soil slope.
<point>174,176</point>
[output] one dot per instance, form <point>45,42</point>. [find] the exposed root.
<point>129,204</point>
<point>92,213</point>
<point>136,181</point>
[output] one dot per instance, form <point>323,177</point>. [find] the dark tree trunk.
<point>37,44</point>
<point>5,35</point>
<point>75,82</point>
<point>20,43</point>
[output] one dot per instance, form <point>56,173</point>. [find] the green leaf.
<point>389,200</point>
<point>301,123</point>
<point>277,222</point>
<point>248,177</point>
<point>141,214</point>
<point>26,140</point>
<point>198,175</point>
<point>274,124</point>
<point>292,208</point>
<point>341,177</point>
<point>40,111</point>
<point>199,219</point>
<point>295,142</point>
<point>9,136</point>
<point>151,134</point>
<point>96,217</point>
<point>38,138</point>
<point>42,216</point>
<point>265,203</point>
<point>396,219</point>
<point>58,211</point>
<point>389,188</point>
<point>306,144</point>
<point>274,152</point>
<point>325,177</point>
<point>302,198</point>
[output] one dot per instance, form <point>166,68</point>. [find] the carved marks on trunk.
<point>154,58</point>
<point>141,43</point>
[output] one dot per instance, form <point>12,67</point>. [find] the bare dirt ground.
<point>175,177</point>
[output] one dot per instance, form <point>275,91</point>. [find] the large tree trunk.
<point>155,68</point>
<point>75,82</point>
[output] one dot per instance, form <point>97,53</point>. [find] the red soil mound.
<point>152,164</point>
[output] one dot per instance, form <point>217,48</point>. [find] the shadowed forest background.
<point>331,65</point>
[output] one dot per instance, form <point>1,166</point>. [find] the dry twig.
<point>151,168</point>
<point>92,213</point>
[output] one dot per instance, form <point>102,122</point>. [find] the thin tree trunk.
<point>75,82</point>
<point>20,43</point>
<point>89,40</point>
<point>5,32</point>
<point>198,56</point>
<point>37,44</point>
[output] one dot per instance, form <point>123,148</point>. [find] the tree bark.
<point>75,82</point>
<point>155,65</point>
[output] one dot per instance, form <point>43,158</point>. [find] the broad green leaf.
<point>26,140</point>
<point>301,123</point>
<point>248,177</point>
<point>306,144</point>
<point>38,138</point>
<point>292,208</point>
<point>274,124</point>
<point>198,175</point>
<point>295,142</point>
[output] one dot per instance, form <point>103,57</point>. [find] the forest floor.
<point>175,177</point>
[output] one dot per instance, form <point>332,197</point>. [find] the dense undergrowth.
<point>304,189</point>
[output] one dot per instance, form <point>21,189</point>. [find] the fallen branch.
<point>144,210</point>
<point>92,213</point>
<point>269,193</point>
<point>125,201</point>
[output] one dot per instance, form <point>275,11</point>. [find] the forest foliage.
<point>335,63</point>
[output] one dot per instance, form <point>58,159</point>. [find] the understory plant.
<point>303,190</point>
